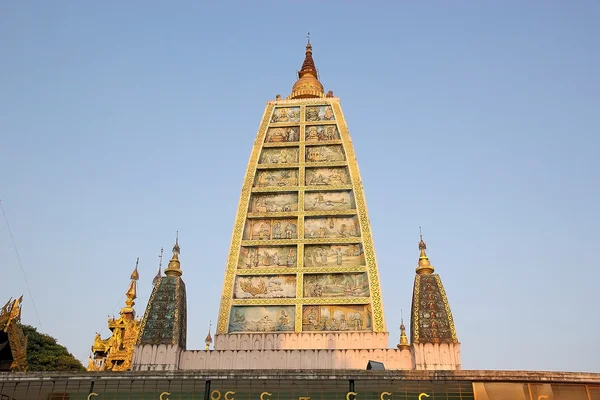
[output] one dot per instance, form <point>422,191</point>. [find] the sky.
<point>124,122</point>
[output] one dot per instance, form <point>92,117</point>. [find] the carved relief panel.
<point>336,285</point>
<point>280,155</point>
<point>327,176</point>
<point>283,134</point>
<point>336,318</point>
<point>347,255</point>
<point>262,319</point>
<point>326,201</point>
<point>319,113</point>
<point>333,227</point>
<point>271,229</point>
<point>276,177</point>
<point>286,114</point>
<point>325,153</point>
<point>265,287</point>
<point>321,133</point>
<point>262,257</point>
<point>279,202</point>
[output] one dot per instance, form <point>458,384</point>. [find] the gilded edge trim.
<point>307,301</point>
<point>363,217</point>
<point>147,312</point>
<point>414,323</point>
<point>447,307</point>
<point>176,333</point>
<point>240,220</point>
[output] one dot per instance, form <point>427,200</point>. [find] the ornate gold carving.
<point>335,300</point>
<point>301,301</point>
<point>334,241</point>
<point>268,271</point>
<point>384,394</point>
<point>280,144</point>
<point>274,189</point>
<point>263,395</point>
<point>323,270</point>
<point>327,188</point>
<point>361,206</point>
<point>10,318</point>
<point>243,216</point>
<point>351,395</point>
<point>423,394</point>
<point>414,324</point>
<point>93,394</point>
<point>447,307</point>
<point>277,166</point>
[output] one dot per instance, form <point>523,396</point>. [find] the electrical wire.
<point>21,265</point>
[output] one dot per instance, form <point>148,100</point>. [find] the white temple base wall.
<point>294,359</point>
<point>437,356</point>
<point>156,357</point>
<point>302,341</point>
<point>422,357</point>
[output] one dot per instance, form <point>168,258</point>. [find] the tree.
<point>45,354</point>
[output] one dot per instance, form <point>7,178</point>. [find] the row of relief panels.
<point>334,176</point>
<point>312,154</point>
<point>315,113</point>
<point>261,203</point>
<point>314,286</point>
<point>314,318</point>
<point>314,256</point>
<point>340,227</point>
<point>312,133</point>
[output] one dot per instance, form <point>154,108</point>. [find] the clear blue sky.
<point>123,122</point>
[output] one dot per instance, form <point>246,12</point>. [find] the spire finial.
<point>131,291</point>
<point>208,339</point>
<point>157,277</point>
<point>403,338</point>
<point>173,269</point>
<point>307,86</point>
<point>424,267</point>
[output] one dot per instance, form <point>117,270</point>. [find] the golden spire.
<point>132,290</point>
<point>403,338</point>
<point>307,86</point>
<point>173,269</point>
<point>208,339</point>
<point>424,268</point>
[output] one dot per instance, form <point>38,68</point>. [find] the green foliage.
<point>45,354</point>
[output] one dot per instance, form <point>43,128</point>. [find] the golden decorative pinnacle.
<point>424,268</point>
<point>132,290</point>
<point>403,338</point>
<point>174,267</point>
<point>208,339</point>
<point>307,86</point>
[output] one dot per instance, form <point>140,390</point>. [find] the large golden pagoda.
<point>302,257</point>
<point>116,352</point>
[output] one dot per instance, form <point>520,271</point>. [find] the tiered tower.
<point>433,335</point>
<point>301,272</point>
<point>163,334</point>
<point>116,352</point>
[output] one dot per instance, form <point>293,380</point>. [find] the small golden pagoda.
<point>13,343</point>
<point>116,352</point>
